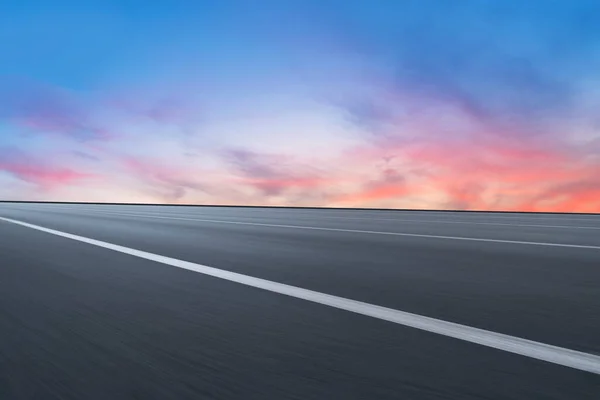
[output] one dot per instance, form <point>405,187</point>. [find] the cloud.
<point>489,172</point>
<point>45,174</point>
<point>578,194</point>
<point>272,174</point>
<point>166,107</point>
<point>388,185</point>
<point>502,61</point>
<point>164,178</point>
<point>44,109</point>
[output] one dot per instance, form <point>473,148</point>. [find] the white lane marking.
<point>541,351</point>
<point>424,220</point>
<point>472,239</point>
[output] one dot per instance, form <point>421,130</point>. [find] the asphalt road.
<point>82,321</point>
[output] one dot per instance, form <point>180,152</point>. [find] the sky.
<point>420,104</point>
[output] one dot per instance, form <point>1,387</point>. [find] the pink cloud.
<point>43,173</point>
<point>481,171</point>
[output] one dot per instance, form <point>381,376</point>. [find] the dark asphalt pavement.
<point>82,322</point>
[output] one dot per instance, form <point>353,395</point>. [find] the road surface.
<point>163,302</point>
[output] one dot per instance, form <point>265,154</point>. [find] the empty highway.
<point>180,302</point>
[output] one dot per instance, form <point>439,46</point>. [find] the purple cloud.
<point>49,110</point>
